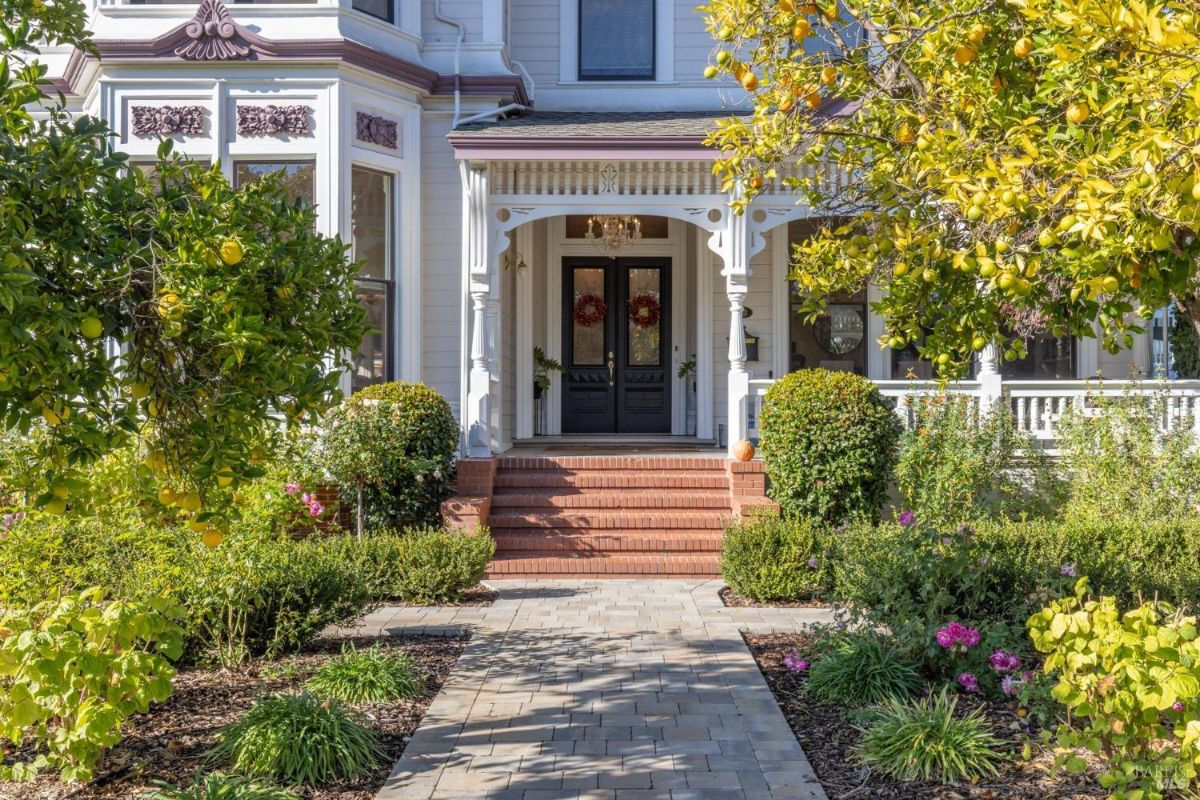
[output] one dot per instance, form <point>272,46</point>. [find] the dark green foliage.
<point>367,676</point>
<point>397,442</point>
<point>857,669</point>
<point>218,786</point>
<point>769,559</point>
<point>375,558</point>
<point>829,443</point>
<point>436,566</point>
<point>925,740</point>
<point>1185,347</point>
<point>299,740</point>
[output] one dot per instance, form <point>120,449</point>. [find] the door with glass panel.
<point>616,345</point>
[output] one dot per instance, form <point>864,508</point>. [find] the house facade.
<point>521,176</point>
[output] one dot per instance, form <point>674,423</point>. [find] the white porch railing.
<point>1036,406</point>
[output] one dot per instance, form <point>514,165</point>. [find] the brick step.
<point>608,499</point>
<point>568,541</point>
<point>611,463</point>
<point>610,565</point>
<point>685,480</point>
<point>608,520</point>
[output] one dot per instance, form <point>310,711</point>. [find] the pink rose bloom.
<point>1010,685</point>
<point>812,562</point>
<point>1178,706</point>
<point>795,663</point>
<point>968,682</point>
<point>291,488</point>
<point>315,508</point>
<point>944,638</point>
<point>1003,661</point>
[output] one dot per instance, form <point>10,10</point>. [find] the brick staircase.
<point>606,516</point>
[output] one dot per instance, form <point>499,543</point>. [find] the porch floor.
<point>607,444</point>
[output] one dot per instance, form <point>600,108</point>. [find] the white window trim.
<point>664,45</point>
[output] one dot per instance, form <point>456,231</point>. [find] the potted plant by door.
<point>686,370</point>
<point>542,367</point>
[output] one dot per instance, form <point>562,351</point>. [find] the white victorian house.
<point>521,175</point>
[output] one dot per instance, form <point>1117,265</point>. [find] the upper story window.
<point>381,9</point>
<point>616,40</point>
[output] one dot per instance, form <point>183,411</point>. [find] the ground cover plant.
<point>367,676</point>
<point>170,744</point>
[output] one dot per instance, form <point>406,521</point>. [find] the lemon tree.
<point>1007,167</point>
<point>172,313</point>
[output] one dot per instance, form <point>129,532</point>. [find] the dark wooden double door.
<point>616,342</point>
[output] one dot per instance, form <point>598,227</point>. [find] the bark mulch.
<point>732,599</point>
<point>829,740</point>
<point>168,743</point>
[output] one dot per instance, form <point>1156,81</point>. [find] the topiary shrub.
<point>829,443</point>
<point>437,566</point>
<point>395,444</point>
<point>770,559</point>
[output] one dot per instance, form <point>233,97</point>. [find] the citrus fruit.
<point>91,327</point>
<point>829,75</point>
<point>56,506</point>
<point>60,490</point>
<point>139,390</point>
<point>213,538</point>
<point>1077,113</point>
<point>710,72</point>
<point>801,29</point>
<point>964,54</point>
<point>1023,47</point>
<point>190,502</point>
<point>231,252</point>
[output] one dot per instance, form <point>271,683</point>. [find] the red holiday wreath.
<point>589,309</point>
<point>644,310</point>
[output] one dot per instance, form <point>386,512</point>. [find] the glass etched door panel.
<point>644,322</point>
<point>588,315</point>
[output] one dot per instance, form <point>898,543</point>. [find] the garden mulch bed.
<point>168,743</point>
<point>734,600</point>
<point>829,740</point>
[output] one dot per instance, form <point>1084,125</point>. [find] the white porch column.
<point>735,251</point>
<point>990,384</point>
<point>481,283</point>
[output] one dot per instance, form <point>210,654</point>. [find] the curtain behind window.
<point>616,39</point>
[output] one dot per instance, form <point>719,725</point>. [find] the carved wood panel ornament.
<point>271,120</point>
<point>377,130</point>
<point>213,35</point>
<point>167,120</point>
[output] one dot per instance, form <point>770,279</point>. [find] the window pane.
<point>376,8</point>
<point>370,220</point>
<point>300,176</point>
<point>587,341</point>
<point>616,39</point>
<point>370,362</point>
<point>1049,359</point>
<point>645,317</point>
<point>834,341</point>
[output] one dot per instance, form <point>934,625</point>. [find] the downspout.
<point>458,43</point>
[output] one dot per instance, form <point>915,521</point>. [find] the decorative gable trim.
<point>212,35</point>
<point>375,130</point>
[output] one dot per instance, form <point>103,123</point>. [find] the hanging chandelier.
<point>611,232</point>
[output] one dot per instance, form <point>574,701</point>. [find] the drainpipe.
<point>458,43</point>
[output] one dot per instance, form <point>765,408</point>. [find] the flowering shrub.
<point>956,465</point>
<point>1131,682</point>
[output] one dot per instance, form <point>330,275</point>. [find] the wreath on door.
<point>589,309</point>
<point>645,310</point>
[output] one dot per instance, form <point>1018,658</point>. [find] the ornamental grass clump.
<point>299,740</point>
<point>367,676</point>
<point>218,786</point>
<point>858,669</point>
<point>926,740</point>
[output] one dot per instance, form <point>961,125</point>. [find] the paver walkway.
<point>616,689</point>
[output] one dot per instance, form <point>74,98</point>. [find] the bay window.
<point>371,214</point>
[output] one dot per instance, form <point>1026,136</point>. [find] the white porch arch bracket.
<point>499,196</point>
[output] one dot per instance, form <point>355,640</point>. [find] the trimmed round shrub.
<point>829,442</point>
<point>437,566</point>
<point>367,676</point>
<point>299,740</point>
<point>770,559</point>
<point>925,740</point>
<point>861,669</point>
<point>396,442</point>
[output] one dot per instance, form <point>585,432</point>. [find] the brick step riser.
<point>615,566</point>
<point>628,522</point>
<point>630,542</point>
<point>613,501</point>
<point>615,482</point>
<point>610,463</point>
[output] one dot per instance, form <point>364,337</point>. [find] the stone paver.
<point>615,689</point>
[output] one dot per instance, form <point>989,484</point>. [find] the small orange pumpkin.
<point>743,450</point>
